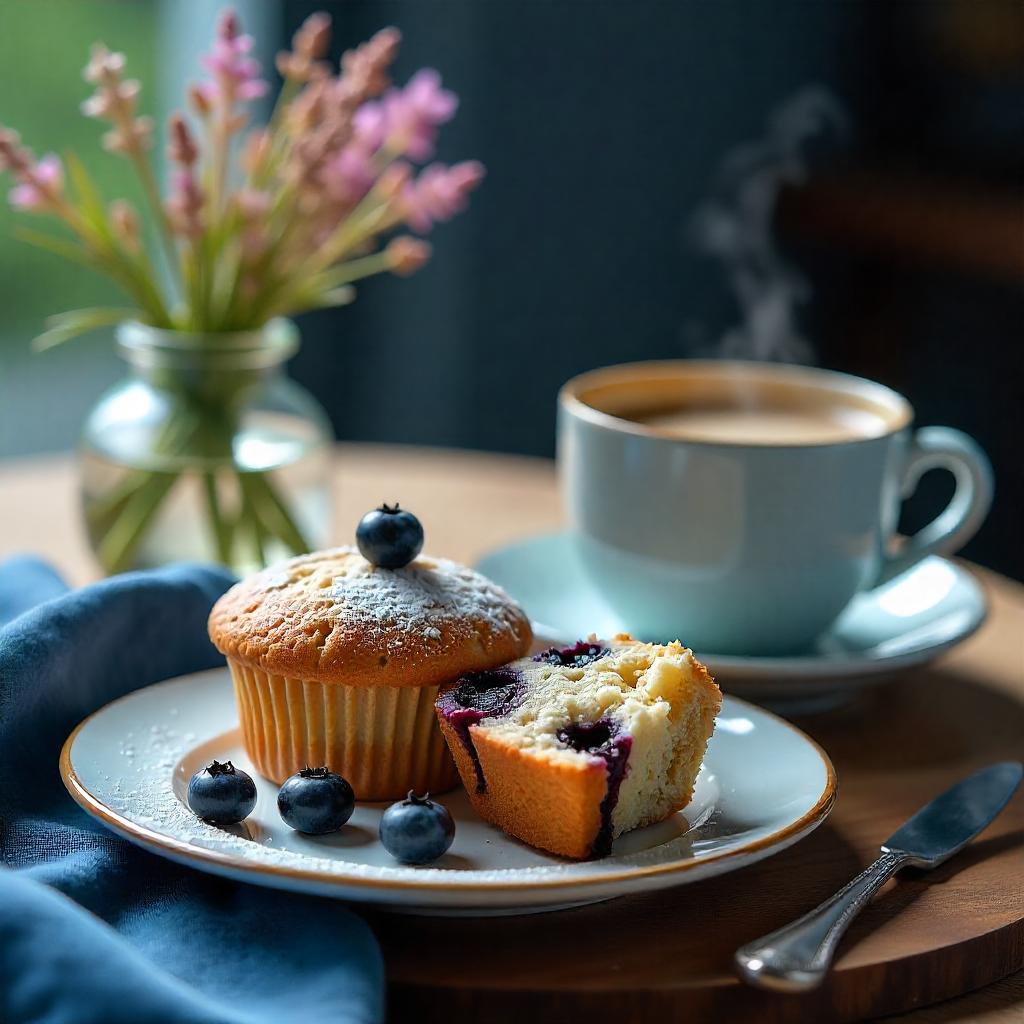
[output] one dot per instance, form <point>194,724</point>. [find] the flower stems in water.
<point>120,542</point>
<point>121,519</point>
<point>220,527</point>
<point>196,443</point>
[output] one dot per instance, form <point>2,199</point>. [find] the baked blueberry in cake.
<point>574,746</point>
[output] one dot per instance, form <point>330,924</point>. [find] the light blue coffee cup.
<point>750,546</point>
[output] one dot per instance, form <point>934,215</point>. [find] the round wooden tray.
<point>668,956</point>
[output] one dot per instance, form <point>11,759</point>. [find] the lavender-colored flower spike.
<point>125,222</point>
<point>186,202</point>
<point>236,74</point>
<point>407,255</point>
<point>13,155</point>
<point>309,46</point>
<point>405,121</point>
<point>348,175</point>
<point>181,146</point>
<point>335,164</point>
<point>439,193</point>
<point>364,70</point>
<point>40,183</point>
<point>115,100</point>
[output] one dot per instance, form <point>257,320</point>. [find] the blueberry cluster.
<point>317,801</point>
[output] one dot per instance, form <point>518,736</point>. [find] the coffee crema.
<point>756,404</point>
<point>767,425</point>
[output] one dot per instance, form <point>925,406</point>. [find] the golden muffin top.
<point>333,617</point>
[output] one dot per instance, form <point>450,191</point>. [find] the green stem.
<point>304,292</point>
<point>152,191</point>
<point>199,427</point>
<point>102,514</point>
<point>250,516</point>
<point>275,513</point>
<point>118,547</point>
<point>372,215</point>
<point>174,435</point>
<point>220,526</point>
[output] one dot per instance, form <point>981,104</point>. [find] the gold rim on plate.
<point>187,853</point>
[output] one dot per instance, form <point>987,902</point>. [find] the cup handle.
<point>943,448</point>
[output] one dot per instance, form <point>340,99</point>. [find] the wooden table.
<point>472,502</point>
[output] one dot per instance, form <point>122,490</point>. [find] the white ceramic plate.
<point>907,622</point>
<point>764,785</point>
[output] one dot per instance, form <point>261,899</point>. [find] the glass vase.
<point>206,451</point>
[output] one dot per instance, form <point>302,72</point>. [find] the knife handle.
<point>797,956</point>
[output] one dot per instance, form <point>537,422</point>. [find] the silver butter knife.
<point>797,957</point>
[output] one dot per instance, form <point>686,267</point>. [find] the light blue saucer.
<point>909,621</point>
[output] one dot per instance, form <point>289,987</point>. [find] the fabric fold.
<point>94,930</point>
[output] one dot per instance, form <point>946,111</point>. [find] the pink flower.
<point>185,205</point>
<point>309,47</point>
<point>406,120</point>
<point>38,186</point>
<point>13,155</point>
<point>181,146</point>
<point>349,174</point>
<point>104,68</point>
<point>235,73</point>
<point>125,222</point>
<point>115,100</point>
<point>407,254</point>
<point>253,203</point>
<point>40,182</point>
<point>439,193</point>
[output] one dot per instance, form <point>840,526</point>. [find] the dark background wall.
<point>602,125</point>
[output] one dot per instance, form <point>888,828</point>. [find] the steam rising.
<point>735,226</point>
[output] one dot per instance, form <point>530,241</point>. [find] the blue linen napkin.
<point>94,930</point>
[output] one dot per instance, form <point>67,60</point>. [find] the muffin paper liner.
<point>385,740</point>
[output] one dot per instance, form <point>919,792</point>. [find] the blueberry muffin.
<point>571,748</point>
<point>338,662</point>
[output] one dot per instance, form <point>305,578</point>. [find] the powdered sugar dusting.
<point>310,613</point>
<point>420,599</point>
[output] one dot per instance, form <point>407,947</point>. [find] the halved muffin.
<point>575,746</point>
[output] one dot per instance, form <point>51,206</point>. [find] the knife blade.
<point>947,824</point>
<point>796,957</point>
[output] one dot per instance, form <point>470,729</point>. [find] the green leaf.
<point>64,247</point>
<point>327,299</point>
<point>90,202</point>
<point>64,326</point>
<point>336,297</point>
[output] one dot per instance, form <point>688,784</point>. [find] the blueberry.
<point>316,801</point>
<point>221,794</point>
<point>580,654</point>
<point>494,692</point>
<point>389,537</point>
<point>416,830</point>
